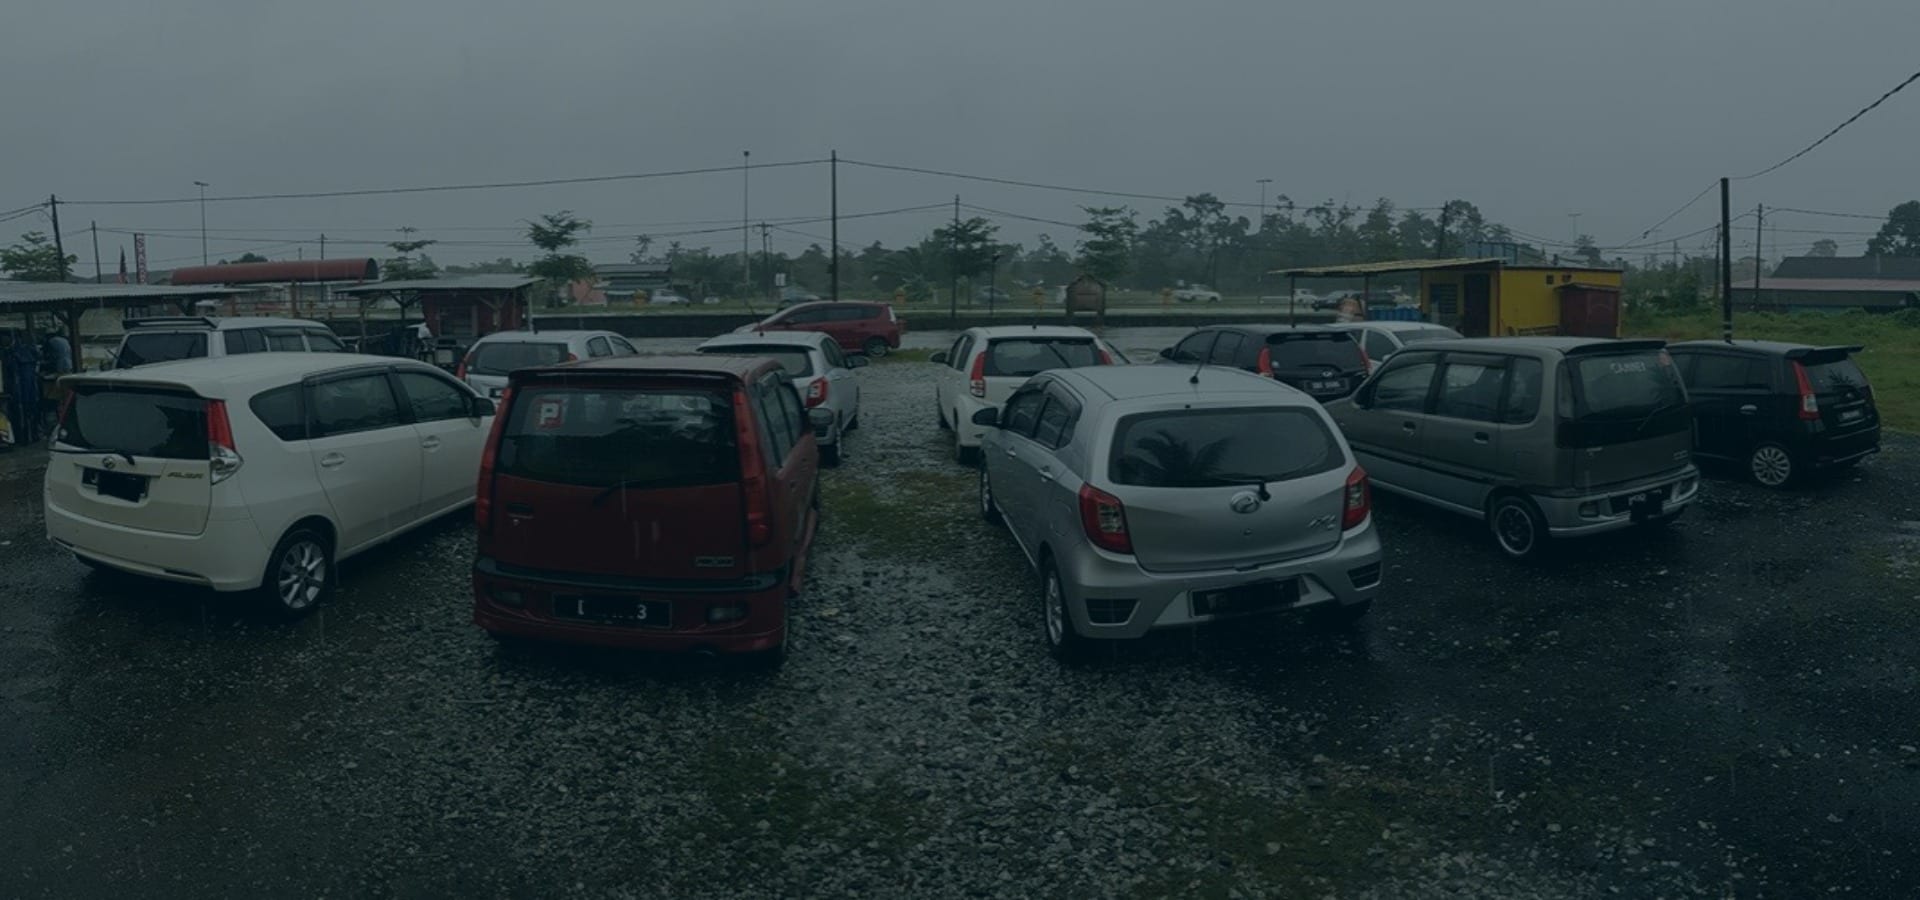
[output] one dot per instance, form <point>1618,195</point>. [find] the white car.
<point>258,473</point>
<point>156,339</point>
<point>820,371</point>
<point>1383,338</point>
<point>491,358</point>
<point>667,298</point>
<point>985,365</point>
<point>1198,293</point>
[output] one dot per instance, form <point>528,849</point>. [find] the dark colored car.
<point>655,503</point>
<point>860,326</point>
<point>1780,410</point>
<point>1325,363</point>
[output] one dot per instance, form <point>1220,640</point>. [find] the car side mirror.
<point>482,408</point>
<point>1363,398</point>
<point>989,417</point>
<point>939,358</point>
<point>858,362</point>
<point>820,419</point>
<point>1166,352</point>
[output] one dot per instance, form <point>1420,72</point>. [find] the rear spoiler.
<point>1598,348</point>
<point>1804,352</point>
<point>155,321</point>
<point>568,372</point>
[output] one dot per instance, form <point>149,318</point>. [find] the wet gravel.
<point>1725,709</point>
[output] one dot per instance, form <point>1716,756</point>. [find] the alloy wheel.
<point>1771,466</point>
<point>303,575</point>
<point>1056,604</point>
<point>1514,529</point>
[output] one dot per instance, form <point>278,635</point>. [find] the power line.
<point>1001,212</point>
<point>1836,129</point>
<point>482,186</point>
<point>1683,208</point>
<point>1031,184</point>
<point>1877,217</point>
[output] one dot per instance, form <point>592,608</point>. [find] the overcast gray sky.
<point>1618,111</point>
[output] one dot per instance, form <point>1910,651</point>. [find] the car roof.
<point>1016,331</point>
<point>557,334</point>
<point>741,367</point>
<point>813,340</point>
<point>215,323</point>
<point>246,369</point>
<point>1771,348</point>
<point>1267,328</point>
<point>1387,325</point>
<point>821,304</point>
<point>1140,381</point>
<point>1539,344</point>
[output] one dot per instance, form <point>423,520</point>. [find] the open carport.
<point>67,303</point>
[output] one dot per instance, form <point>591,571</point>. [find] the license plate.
<point>119,485</point>
<point>615,611</point>
<point>1852,415</point>
<point>1323,385</point>
<point>1246,598</point>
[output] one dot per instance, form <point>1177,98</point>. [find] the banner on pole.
<point>140,257</point>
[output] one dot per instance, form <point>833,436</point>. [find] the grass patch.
<point>911,511</point>
<point>1891,358</point>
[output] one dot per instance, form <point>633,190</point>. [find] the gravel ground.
<point>1726,709</point>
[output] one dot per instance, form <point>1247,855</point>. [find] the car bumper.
<point>689,631</point>
<point>1842,449</point>
<point>1621,506</point>
<point>1111,597</point>
<point>228,555</point>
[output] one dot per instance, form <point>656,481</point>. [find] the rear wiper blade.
<point>1654,412</point>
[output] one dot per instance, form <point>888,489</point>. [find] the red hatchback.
<point>657,503</point>
<point>859,326</point>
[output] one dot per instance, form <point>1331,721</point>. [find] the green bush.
<point>1906,318</point>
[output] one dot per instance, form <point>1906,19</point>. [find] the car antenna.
<point>1195,377</point>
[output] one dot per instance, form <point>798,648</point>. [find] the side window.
<point>432,399</point>
<point>356,403</point>
<point>1523,391</point>
<point>779,433</point>
<point>280,410</point>
<point>796,411</point>
<point>1378,345</point>
<point>1471,391</point>
<point>237,342</point>
<point>1021,412</point>
<point>954,353</point>
<point>599,347</point>
<point>1714,371</point>
<point>622,348</point>
<point>960,360</point>
<point>852,313</point>
<point>835,359</point>
<point>1055,427</point>
<point>283,340</point>
<point>324,342</point>
<point>1404,387</point>
<point>1194,348</point>
<point>1225,349</point>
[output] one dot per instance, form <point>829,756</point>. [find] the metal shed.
<point>68,302</point>
<point>458,309</point>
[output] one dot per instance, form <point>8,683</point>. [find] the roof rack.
<point>153,321</point>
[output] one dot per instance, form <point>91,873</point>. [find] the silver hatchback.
<point>1155,497</point>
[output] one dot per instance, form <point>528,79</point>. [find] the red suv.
<point>859,326</point>
<point>656,503</point>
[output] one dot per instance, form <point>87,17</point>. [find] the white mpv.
<point>258,472</point>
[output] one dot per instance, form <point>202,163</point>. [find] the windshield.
<point>1319,350</point>
<point>147,422</point>
<point>1217,447</point>
<point>1416,335</point>
<point>143,347</point>
<point>599,437</point>
<point>796,361</point>
<point>1026,357</point>
<point>502,357</point>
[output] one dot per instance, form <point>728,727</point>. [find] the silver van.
<point>1538,436</point>
<point>1159,497</point>
<point>155,339</point>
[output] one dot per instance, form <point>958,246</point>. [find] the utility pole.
<point>323,246</point>
<point>746,193</point>
<point>833,261</point>
<point>1576,226</point>
<point>1263,182</point>
<point>1726,264</point>
<point>993,283</point>
<point>59,247</point>
<point>203,221</point>
<point>1759,258</point>
<point>1440,242</point>
<point>766,261</point>
<point>953,262</point>
<point>95,228</point>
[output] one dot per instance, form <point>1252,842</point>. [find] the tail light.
<point>460,371</point>
<point>757,506</point>
<point>1106,359</point>
<point>1359,500</point>
<point>222,456</point>
<point>1104,518</point>
<point>66,405</point>
<point>483,492</point>
<point>1264,364</point>
<point>977,379</point>
<point>1366,362</point>
<point>573,357</point>
<point>1809,404</point>
<point>816,392</point>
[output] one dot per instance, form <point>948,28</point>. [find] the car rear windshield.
<point>1624,384</point>
<point>501,357</point>
<point>1026,357</point>
<point>1834,376</point>
<point>148,422</point>
<point>640,437</point>
<point>797,362</point>
<point>1416,335</point>
<point>1294,350</point>
<point>141,348</point>
<point>1218,447</point>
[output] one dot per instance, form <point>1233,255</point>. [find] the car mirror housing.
<point>988,417</point>
<point>1166,352</point>
<point>482,407</point>
<point>939,358</point>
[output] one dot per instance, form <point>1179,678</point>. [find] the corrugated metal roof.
<point>1385,268</point>
<point>41,293</point>
<point>505,282</point>
<point>281,272</point>
<point>1833,285</point>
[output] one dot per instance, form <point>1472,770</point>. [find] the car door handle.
<point>1407,426</point>
<point>332,460</point>
<point>1480,437</point>
<point>1046,474</point>
<point>432,443</point>
<point>1749,409</point>
<point>1010,453</point>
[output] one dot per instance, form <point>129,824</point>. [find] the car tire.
<point>853,424</point>
<point>1056,620</point>
<point>1517,526</point>
<point>875,348</point>
<point>941,414</point>
<point>300,574</point>
<point>989,509</point>
<point>772,660</point>
<point>830,453</point>
<point>963,454</point>
<point>1341,616</point>
<point>1772,466</point>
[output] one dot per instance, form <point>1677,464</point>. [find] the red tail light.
<point>757,506</point>
<point>1104,518</point>
<point>977,380</point>
<point>1106,359</point>
<point>1809,404</point>
<point>483,492</point>
<point>573,357</point>
<point>222,456</point>
<point>1359,500</point>
<point>66,404</point>
<point>460,371</point>
<point>1366,363</point>
<point>1264,365</point>
<point>816,392</point>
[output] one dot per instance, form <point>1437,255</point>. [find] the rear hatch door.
<point>133,455</point>
<point>1625,416</point>
<point>1325,364</point>
<point>1191,482</point>
<point>1010,361</point>
<point>141,347</point>
<point>633,476</point>
<point>1844,396</point>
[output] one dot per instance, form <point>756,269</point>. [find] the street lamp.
<point>993,283</point>
<point>1263,182</point>
<point>203,221</point>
